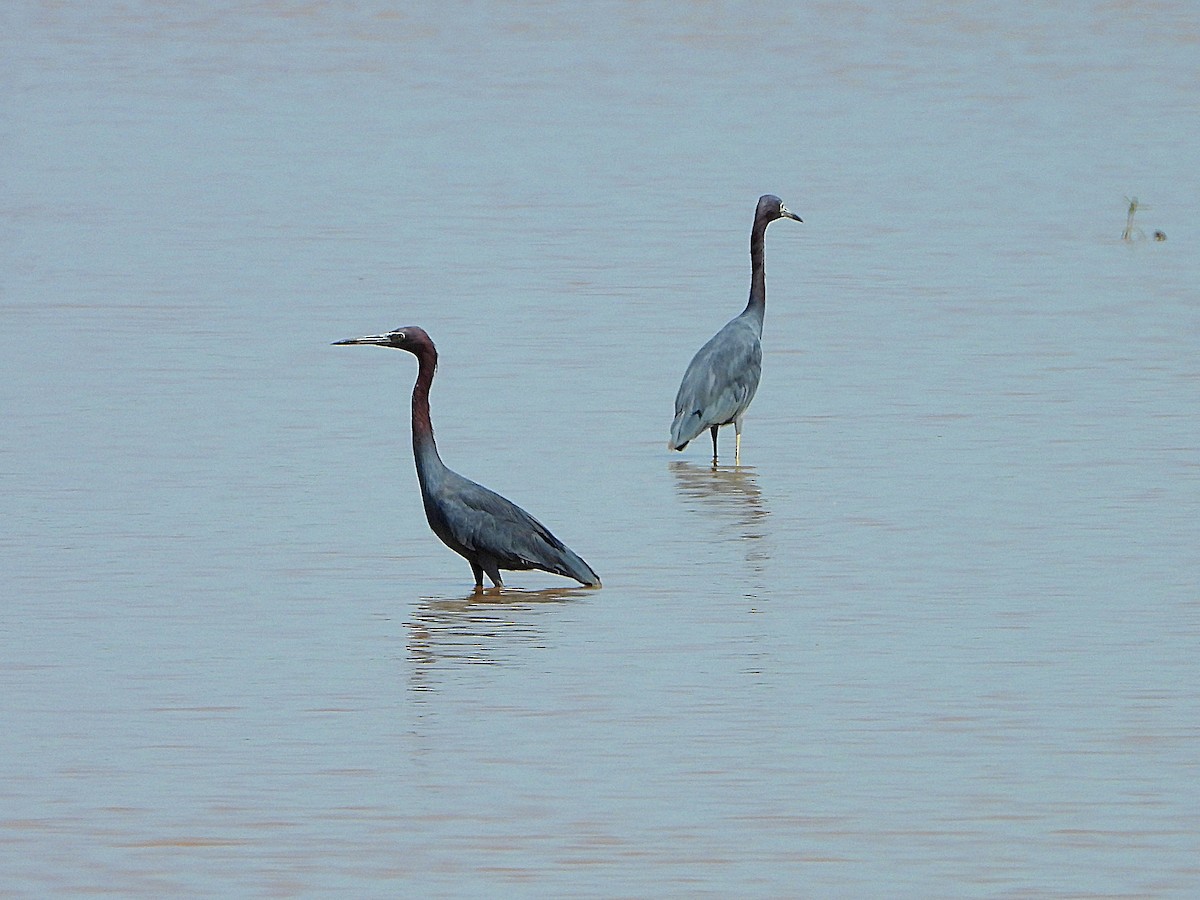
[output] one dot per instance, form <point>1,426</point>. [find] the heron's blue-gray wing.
<point>487,523</point>
<point>719,382</point>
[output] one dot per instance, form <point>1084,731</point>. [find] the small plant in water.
<point>1130,233</point>
<point>1127,234</point>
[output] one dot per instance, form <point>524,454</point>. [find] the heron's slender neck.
<point>424,448</point>
<point>758,277</point>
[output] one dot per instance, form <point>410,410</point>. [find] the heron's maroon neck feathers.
<point>422,425</point>
<point>758,278</point>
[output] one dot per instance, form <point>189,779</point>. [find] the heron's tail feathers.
<point>685,427</point>
<point>572,565</point>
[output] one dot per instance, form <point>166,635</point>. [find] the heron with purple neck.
<point>722,377</point>
<point>487,530</point>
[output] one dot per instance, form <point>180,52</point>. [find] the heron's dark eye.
<point>398,335</point>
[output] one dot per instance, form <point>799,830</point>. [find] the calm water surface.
<point>936,638</point>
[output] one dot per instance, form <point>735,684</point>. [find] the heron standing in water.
<point>490,532</point>
<point>722,377</point>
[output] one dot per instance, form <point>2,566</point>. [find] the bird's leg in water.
<point>713,429</point>
<point>493,571</point>
<point>737,449</point>
<point>477,571</point>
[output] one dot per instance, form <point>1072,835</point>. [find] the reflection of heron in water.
<point>730,494</point>
<point>480,628</point>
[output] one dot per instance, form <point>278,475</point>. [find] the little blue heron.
<point>722,377</point>
<point>491,533</point>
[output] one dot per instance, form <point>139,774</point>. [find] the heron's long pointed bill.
<point>784,211</point>
<point>380,340</point>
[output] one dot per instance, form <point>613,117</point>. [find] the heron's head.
<point>771,208</point>
<point>412,339</point>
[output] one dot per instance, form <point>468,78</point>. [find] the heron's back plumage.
<point>479,524</point>
<point>720,381</point>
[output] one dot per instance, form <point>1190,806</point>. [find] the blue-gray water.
<point>937,637</point>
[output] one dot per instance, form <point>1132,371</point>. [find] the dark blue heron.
<point>491,533</point>
<point>722,377</point>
